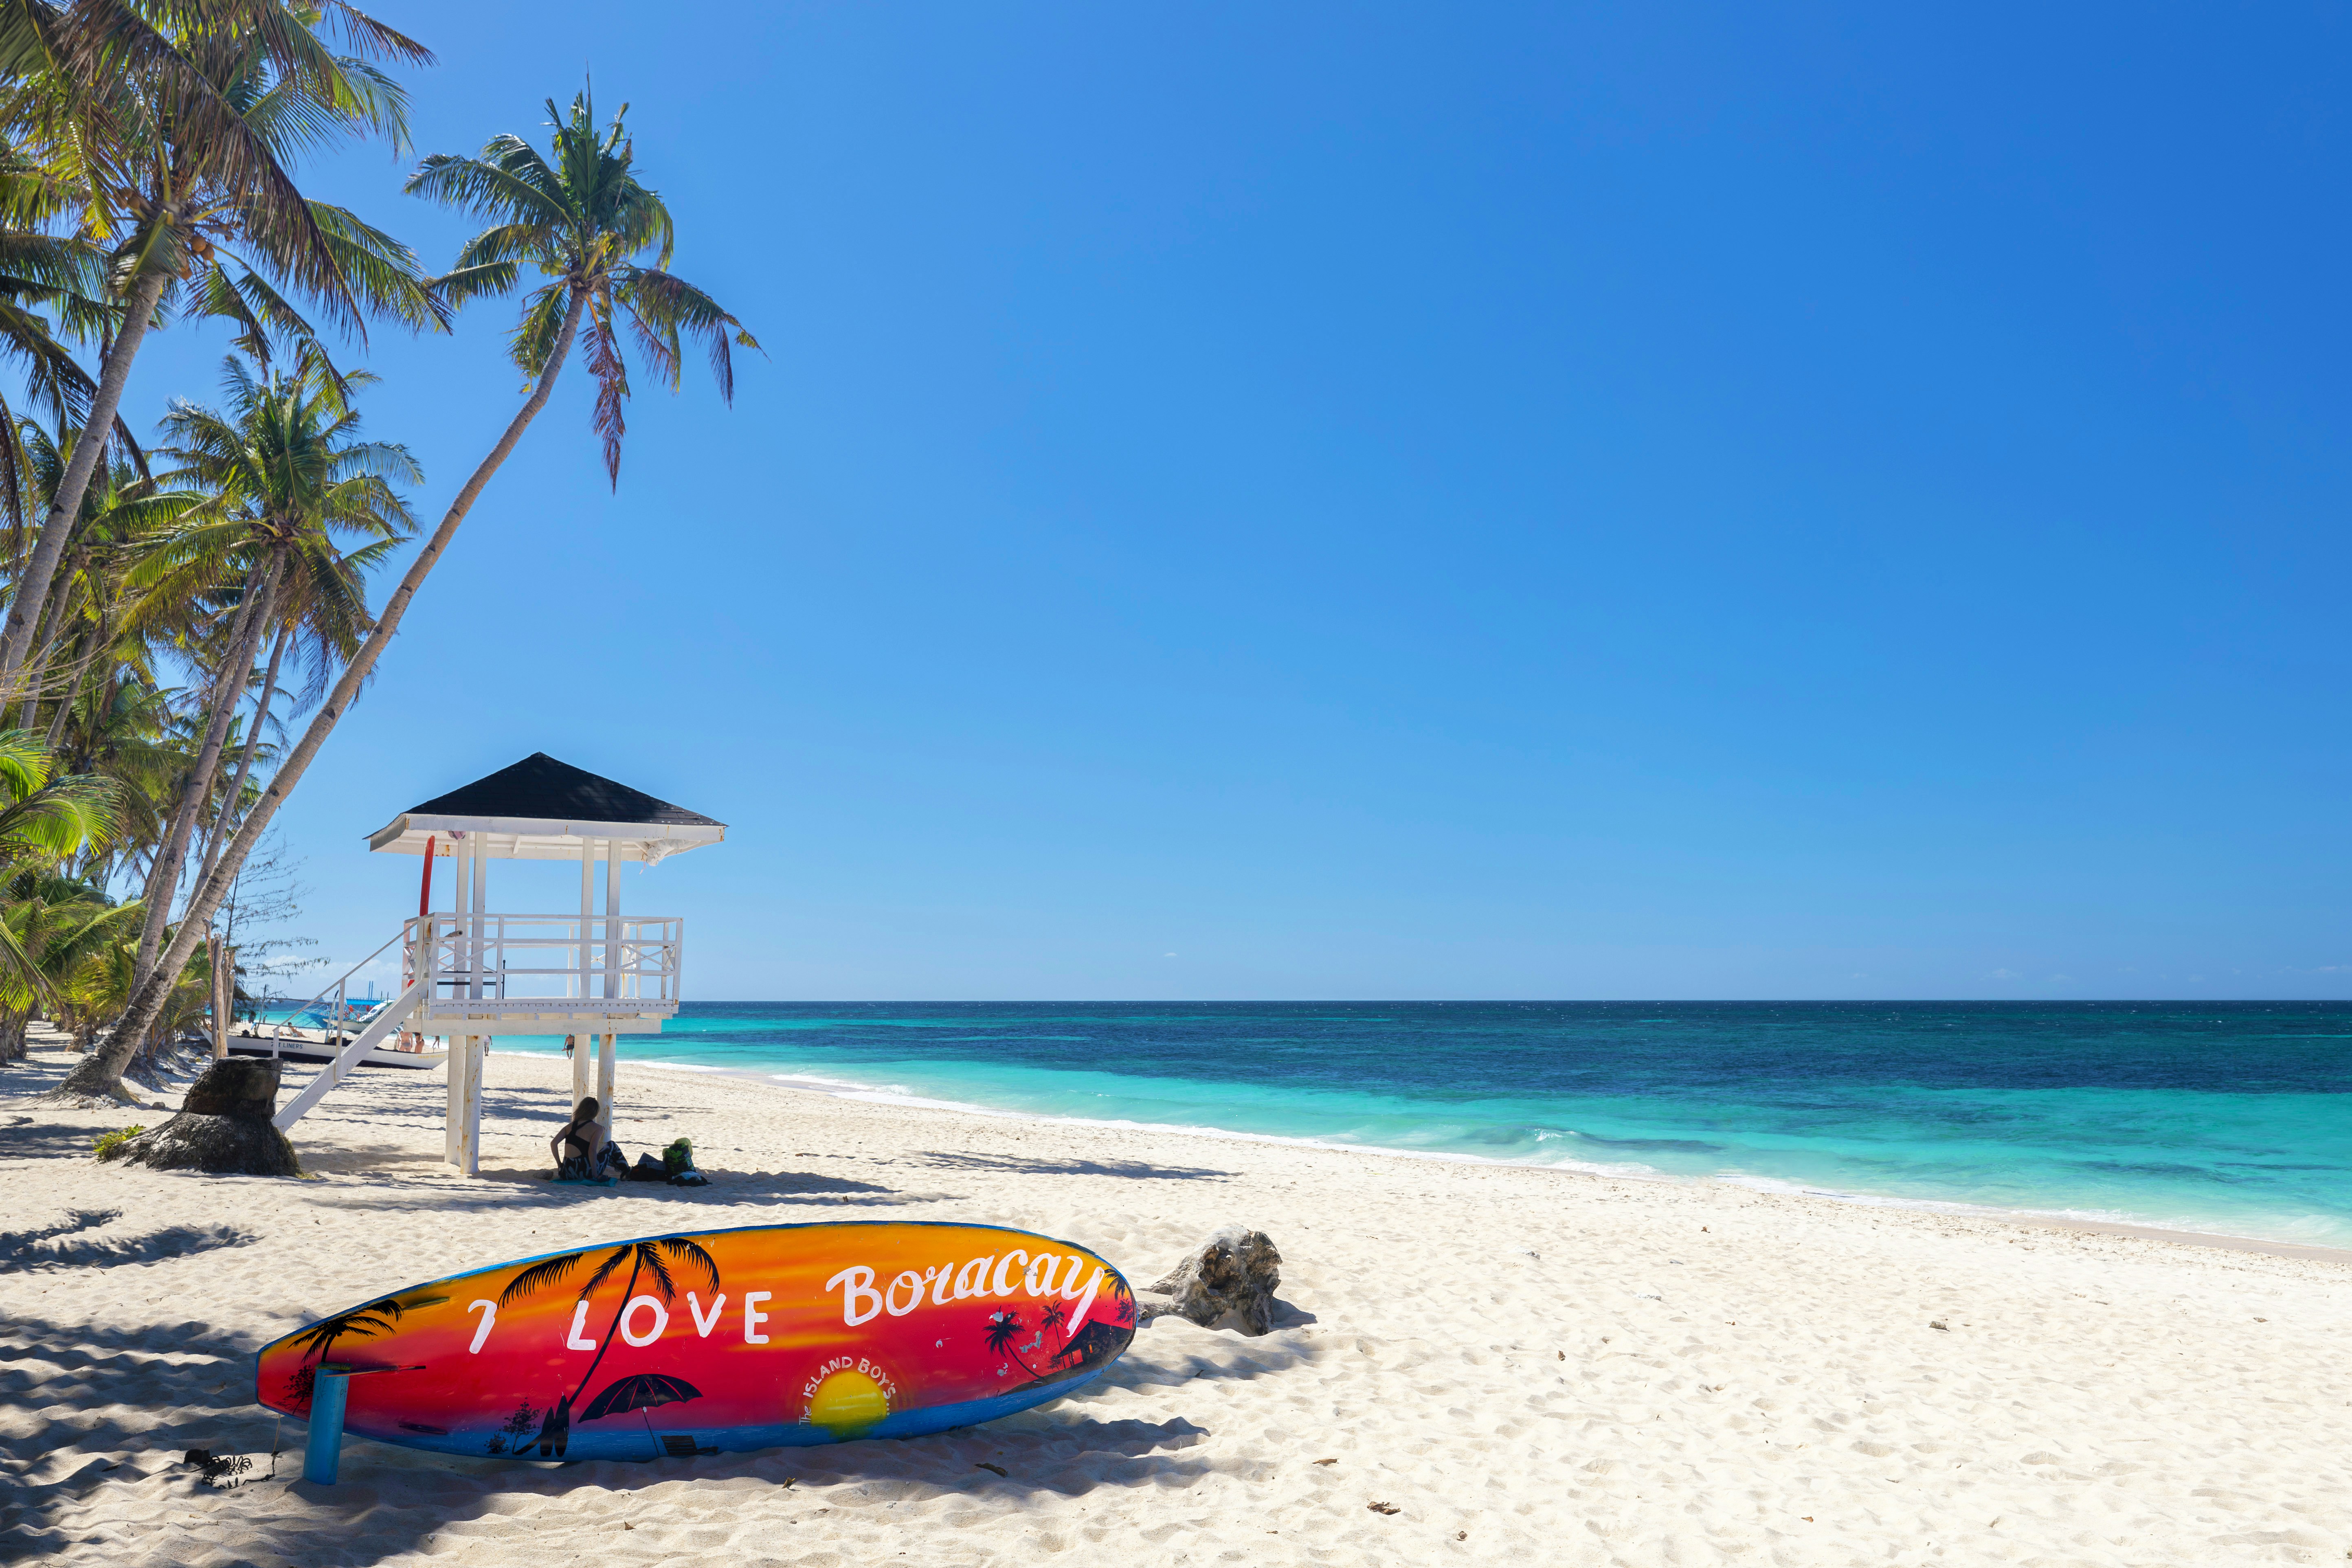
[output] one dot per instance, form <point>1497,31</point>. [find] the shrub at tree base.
<point>105,1143</point>
<point>223,1129</point>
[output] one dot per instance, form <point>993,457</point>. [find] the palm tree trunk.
<point>613,1328</point>
<point>97,641</point>
<point>228,692</point>
<point>100,1075</point>
<point>218,835</point>
<point>64,507</point>
<point>52,621</point>
<point>84,758</point>
<point>249,600</point>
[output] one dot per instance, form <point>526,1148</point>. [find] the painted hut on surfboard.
<point>472,972</point>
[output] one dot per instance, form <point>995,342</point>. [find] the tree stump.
<point>1228,1282</point>
<point>223,1129</point>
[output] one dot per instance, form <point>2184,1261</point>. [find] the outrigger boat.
<point>318,1034</point>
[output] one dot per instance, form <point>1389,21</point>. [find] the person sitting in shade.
<point>577,1142</point>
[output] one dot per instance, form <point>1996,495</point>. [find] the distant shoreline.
<point>2021,1217</point>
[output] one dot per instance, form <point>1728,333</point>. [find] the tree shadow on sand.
<point>109,1407</point>
<point>34,1136</point>
<point>103,1406</point>
<point>71,1244</point>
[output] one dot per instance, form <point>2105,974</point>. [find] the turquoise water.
<point>2231,1118</point>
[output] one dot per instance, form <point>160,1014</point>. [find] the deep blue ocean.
<point>2233,1117</point>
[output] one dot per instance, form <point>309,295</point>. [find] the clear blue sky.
<point>1410,501</point>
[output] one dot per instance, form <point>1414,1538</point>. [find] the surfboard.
<point>717,1341</point>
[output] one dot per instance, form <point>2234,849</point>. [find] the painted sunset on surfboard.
<point>722,1341</point>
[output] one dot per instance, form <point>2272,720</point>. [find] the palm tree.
<point>286,474</point>
<point>172,125</point>
<point>40,271</point>
<point>1004,1327</point>
<point>123,729</point>
<point>580,220</point>
<point>582,217</point>
<point>652,1256</point>
<point>57,922</point>
<point>122,511</point>
<point>44,818</point>
<point>364,1323</point>
<point>367,1322</point>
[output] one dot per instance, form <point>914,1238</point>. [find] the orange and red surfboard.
<point>718,1340</point>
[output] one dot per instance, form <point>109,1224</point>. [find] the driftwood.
<point>1228,1282</point>
<point>223,1127</point>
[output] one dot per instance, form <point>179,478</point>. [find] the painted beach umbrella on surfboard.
<point>640,1390</point>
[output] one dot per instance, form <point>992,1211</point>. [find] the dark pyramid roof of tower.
<point>539,786</point>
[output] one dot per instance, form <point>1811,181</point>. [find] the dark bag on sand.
<point>648,1169</point>
<point>678,1161</point>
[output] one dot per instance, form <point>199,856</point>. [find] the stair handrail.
<point>394,1014</point>
<point>337,987</point>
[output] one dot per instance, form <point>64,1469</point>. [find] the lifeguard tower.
<point>471,973</point>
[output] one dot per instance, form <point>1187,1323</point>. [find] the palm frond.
<point>538,1276</point>
<point>604,1270</point>
<point>491,183</point>
<point>532,342</point>
<point>693,1256</point>
<point>659,1270</point>
<point>461,284</point>
<point>671,306</point>
<point>612,377</point>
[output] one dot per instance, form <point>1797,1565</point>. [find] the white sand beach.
<point>1528,1366</point>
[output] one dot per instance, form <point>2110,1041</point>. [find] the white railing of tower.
<point>509,958</point>
<point>468,963</point>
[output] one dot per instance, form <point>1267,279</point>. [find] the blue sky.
<point>1407,501</point>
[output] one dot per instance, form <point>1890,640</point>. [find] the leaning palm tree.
<point>286,474</point>
<point>581,219</point>
<point>174,125</point>
<point>367,1321</point>
<point>123,728</point>
<point>363,1323</point>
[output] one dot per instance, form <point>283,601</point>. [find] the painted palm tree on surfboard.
<point>656,1257</point>
<point>1092,1342</point>
<point>368,1321</point>
<point>1004,1327</point>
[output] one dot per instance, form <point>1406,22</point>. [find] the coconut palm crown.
<point>583,219</point>
<point>170,137</point>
